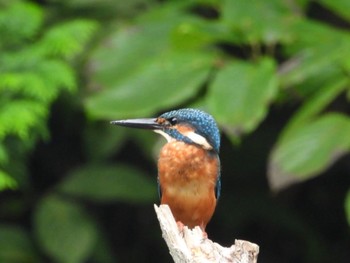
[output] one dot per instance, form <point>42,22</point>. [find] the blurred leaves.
<point>110,183</point>
<point>240,95</point>
<point>29,112</point>
<point>169,56</point>
<point>68,39</point>
<point>64,230</point>
<point>234,59</point>
<point>347,206</point>
<point>34,70</point>
<point>260,21</point>
<point>146,70</point>
<point>315,105</point>
<point>14,29</point>
<point>309,150</point>
<point>290,160</point>
<point>6,182</point>
<point>309,68</point>
<point>16,245</point>
<point>180,76</point>
<point>340,7</point>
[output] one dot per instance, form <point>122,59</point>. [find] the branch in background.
<point>190,246</point>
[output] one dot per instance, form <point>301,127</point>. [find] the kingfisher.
<point>188,165</point>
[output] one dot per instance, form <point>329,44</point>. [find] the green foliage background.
<point>274,74</point>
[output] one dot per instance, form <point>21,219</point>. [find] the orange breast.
<point>187,176</point>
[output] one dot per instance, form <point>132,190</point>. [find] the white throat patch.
<point>196,138</point>
<point>165,135</point>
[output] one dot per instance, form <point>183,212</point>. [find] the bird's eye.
<point>173,121</point>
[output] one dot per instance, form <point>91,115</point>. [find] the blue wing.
<point>159,189</point>
<point>218,188</point>
<point>218,183</point>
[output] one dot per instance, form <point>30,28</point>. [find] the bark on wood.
<point>189,246</point>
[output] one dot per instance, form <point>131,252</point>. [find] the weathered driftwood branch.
<point>190,246</point>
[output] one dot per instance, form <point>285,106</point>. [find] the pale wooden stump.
<point>190,246</point>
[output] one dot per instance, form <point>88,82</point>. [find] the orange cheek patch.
<point>183,129</point>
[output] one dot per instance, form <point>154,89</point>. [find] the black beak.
<point>150,123</point>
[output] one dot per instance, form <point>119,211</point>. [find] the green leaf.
<point>41,83</point>
<point>347,206</point>
<point>64,230</point>
<point>106,7</point>
<point>315,105</point>
<point>164,82</point>
<point>260,21</point>
<point>340,7</point>
<point>308,53</point>
<point>63,77</point>
<point>309,150</point>
<point>310,83</point>
<point>6,181</point>
<point>140,71</point>
<point>18,117</point>
<point>240,94</point>
<point>16,246</point>
<point>126,51</point>
<point>13,27</point>
<point>68,39</point>
<point>110,183</point>
<point>194,33</point>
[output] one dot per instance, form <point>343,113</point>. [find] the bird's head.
<point>188,125</point>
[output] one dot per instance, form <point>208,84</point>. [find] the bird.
<point>189,176</point>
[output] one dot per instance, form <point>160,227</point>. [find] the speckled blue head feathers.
<point>201,122</point>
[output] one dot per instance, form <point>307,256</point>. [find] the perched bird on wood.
<point>188,164</point>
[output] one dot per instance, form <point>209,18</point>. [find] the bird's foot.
<point>202,227</point>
